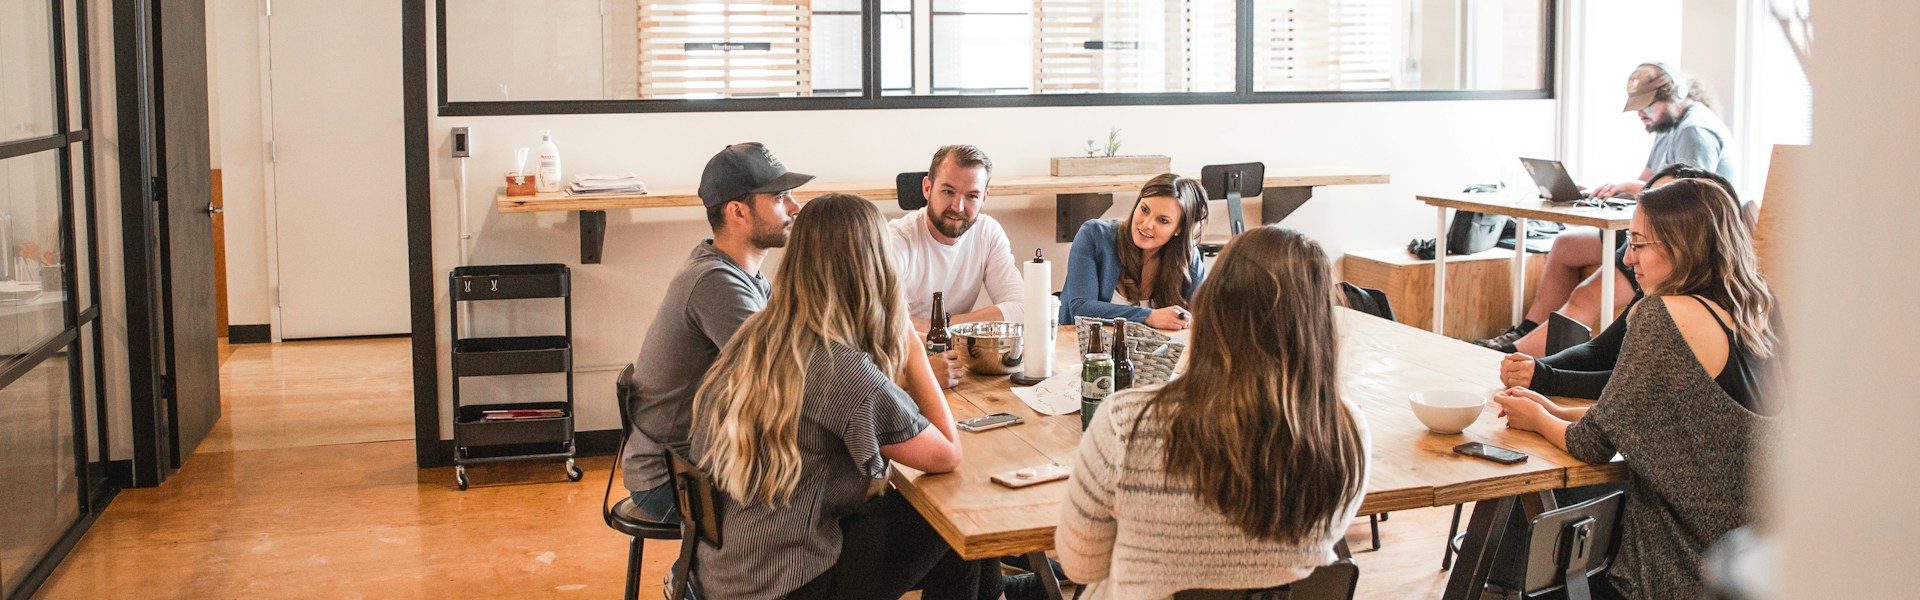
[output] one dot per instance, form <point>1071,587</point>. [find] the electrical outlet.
<point>462,147</point>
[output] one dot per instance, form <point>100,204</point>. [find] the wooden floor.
<point>294,504</point>
<point>313,393</point>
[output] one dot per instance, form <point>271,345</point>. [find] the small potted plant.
<point>1107,160</point>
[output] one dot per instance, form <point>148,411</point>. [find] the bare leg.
<point>1583,306</point>
<point>1575,251</point>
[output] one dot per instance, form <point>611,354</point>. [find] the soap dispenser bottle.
<point>549,175</point>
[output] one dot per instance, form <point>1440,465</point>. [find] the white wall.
<point>1424,146</point>
<point>1613,37</point>
<point>1843,477</point>
<point>234,33</point>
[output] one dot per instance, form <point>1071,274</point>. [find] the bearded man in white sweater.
<point>949,247</point>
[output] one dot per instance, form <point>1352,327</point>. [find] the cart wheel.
<point>573,471</point>
<point>460,477</point>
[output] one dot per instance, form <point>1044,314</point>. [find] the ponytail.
<point>1697,92</point>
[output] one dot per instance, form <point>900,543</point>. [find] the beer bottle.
<point>1096,379</point>
<point>938,340</point>
<point>1122,359</point>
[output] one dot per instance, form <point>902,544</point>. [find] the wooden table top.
<point>1010,185</point>
<point>1381,363</point>
<point>1534,208</point>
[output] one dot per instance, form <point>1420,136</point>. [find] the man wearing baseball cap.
<point>746,193</point>
<point>1685,128</point>
<point>1686,132</point>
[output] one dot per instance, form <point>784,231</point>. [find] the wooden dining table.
<point>1382,363</point>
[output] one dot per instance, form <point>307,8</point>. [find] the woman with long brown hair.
<point>1145,267</point>
<point>1685,400</point>
<point>1245,471</point>
<point>799,417</point>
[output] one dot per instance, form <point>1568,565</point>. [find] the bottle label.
<point>1096,377</point>
<point>1098,389</point>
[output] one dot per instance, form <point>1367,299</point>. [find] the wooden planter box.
<point>1112,165</point>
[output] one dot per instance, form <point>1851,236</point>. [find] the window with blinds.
<point>740,49</point>
<point>1120,46</point>
<point>1328,45</point>
<point>780,53</point>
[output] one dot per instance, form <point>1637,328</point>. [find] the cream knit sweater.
<point>1133,535</point>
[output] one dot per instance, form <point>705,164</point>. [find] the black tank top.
<point>1740,377</point>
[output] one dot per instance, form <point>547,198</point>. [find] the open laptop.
<point>1551,177</point>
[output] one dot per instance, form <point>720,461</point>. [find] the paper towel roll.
<point>1037,295</point>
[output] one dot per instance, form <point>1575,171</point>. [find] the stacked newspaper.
<point>606,185</point>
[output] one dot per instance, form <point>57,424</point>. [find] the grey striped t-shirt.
<point>849,411</point>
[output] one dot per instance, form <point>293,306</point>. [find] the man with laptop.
<point>1686,131</point>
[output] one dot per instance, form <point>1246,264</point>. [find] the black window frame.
<point>73,134</point>
<point>873,97</point>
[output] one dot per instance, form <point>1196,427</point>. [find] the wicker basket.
<point>1154,354</point>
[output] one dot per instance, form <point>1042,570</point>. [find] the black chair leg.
<point>634,553</point>
<point>1373,522</point>
<point>1446,547</point>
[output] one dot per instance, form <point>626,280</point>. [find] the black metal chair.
<point>699,522</point>
<point>1231,183</point>
<point>906,189</point>
<point>623,516</point>
<point>1568,546</point>
<point>1332,582</point>
<point>1564,333</point>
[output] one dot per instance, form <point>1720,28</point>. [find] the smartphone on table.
<point>992,421</point>
<point>1490,452</point>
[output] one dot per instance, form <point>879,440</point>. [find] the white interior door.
<point>339,167</point>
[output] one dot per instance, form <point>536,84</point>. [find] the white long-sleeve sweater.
<point>1133,535</point>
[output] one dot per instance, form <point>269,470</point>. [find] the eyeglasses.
<point>1641,246</point>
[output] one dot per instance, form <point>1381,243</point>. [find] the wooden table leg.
<point>1440,271</point>
<point>1485,530</point>
<point>1049,584</point>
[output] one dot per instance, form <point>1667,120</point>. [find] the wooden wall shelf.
<point>1081,197</point>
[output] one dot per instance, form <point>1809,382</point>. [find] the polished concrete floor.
<point>307,489</point>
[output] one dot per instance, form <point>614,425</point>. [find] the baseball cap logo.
<point>771,160</point>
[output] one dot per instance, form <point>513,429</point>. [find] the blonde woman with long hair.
<point>1685,399</point>
<point>1244,472</point>
<point>799,417</point>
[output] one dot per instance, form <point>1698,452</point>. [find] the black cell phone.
<point>992,421</point>
<point>1490,452</point>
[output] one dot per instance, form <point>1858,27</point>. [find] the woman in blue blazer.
<point>1145,267</point>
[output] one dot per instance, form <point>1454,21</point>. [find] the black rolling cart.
<point>526,430</point>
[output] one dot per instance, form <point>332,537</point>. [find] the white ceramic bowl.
<point>1447,411</point>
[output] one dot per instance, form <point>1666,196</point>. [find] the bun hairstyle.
<point>1677,85</point>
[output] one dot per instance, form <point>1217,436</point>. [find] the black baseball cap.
<point>743,169</point>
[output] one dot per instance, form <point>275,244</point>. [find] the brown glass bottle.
<point>1122,359</point>
<point>937,338</point>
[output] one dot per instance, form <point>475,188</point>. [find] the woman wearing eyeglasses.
<point>1684,403</point>
<point>1582,371</point>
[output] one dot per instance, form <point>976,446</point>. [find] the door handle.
<point>214,209</point>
